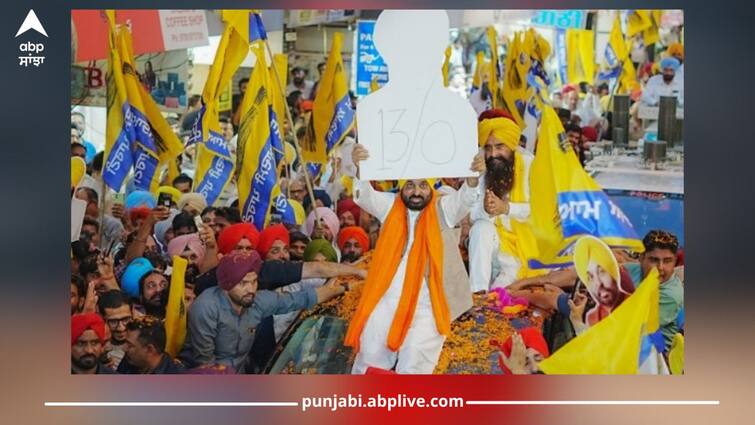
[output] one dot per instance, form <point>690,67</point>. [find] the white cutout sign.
<point>413,127</point>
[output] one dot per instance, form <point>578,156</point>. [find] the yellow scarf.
<point>519,242</point>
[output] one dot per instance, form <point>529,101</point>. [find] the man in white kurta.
<point>666,84</point>
<point>489,265</point>
<point>421,348</point>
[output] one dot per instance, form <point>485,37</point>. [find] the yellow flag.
<point>676,355</point>
<point>482,69</point>
<point>495,77</point>
<point>445,66</point>
<point>214,163</point>
<point>613,345</point>
<point>374,86</point>
<point>332,116</point>
<point>175,312</point>
<point>651,35</point>
<point>255,157</point>
<point>155,143</point>
<point>580,47</point>
<point>277,97</point>
<point>567,203</point>
<point>514,88</point>
<point>638,21</point>
<point>117,157</point>
<point>616,61</point>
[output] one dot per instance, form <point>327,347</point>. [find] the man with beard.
<point>145,349</point>
<point>499,220</point>
<point>87,342</point>
<point>353,242</point>
<point>300,83</point>
<point>273,244</point>
<point>404,312</point>
<point>115,308</point>
<point>223,320</point>
<point>141,281</point>
<point>665,84</point>
<point>598,269</point>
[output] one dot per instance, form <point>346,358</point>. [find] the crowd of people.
<point>244,286</point>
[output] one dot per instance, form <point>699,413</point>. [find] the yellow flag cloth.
<point>495,77</point>
<point>613,345</point>
<point>567,203</point>
<point>638,21</point>
<point>580,47</point>
<point>332,115</point>
<point>514,90</point>
<point>277,97</point>
<point>445,66</point>
<point>256,161</point>
<point>214,162</point>
<point>175,312</point>
<point>676,355</point>
<point>78,169</point>
<point>651,34</point>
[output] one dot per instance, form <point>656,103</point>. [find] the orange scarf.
<point>426,252</point>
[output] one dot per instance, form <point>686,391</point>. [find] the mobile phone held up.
<point>164,200</point>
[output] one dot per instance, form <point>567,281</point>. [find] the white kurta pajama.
<point>421,348</point>
<point>489,267</point>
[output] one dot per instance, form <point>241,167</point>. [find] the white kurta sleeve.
<point>650,93</point>
<point>376,203</point>
<point>457,205</point>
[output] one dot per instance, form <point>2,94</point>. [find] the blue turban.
<point>671,62</point>
<point>133,274</point>
<point>140,198</point>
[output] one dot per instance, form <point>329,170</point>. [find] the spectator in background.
<point>236,102</point>
<point>79,121</point>
<point>320,72</point>
<point>665,84</point>
<point>87,344</point>
<point>300,82</point>
<point>183,183</point>
<point>115,309</point>
<point>192,111</point>
<point>145,349</point>
<point>298,242</point>
<point>78,293</point>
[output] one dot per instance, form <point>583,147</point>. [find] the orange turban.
<point>268,236</point>
<point>82,322</point>
<point>354,232</point>
<point>676,49</point>
<point>232,235</point>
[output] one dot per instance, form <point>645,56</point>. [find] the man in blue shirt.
<point>223,320</point>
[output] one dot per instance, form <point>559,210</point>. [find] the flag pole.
<point>290,120</point>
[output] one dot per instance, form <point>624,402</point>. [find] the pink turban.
<point>327,216</point>
<point>178,245</point>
